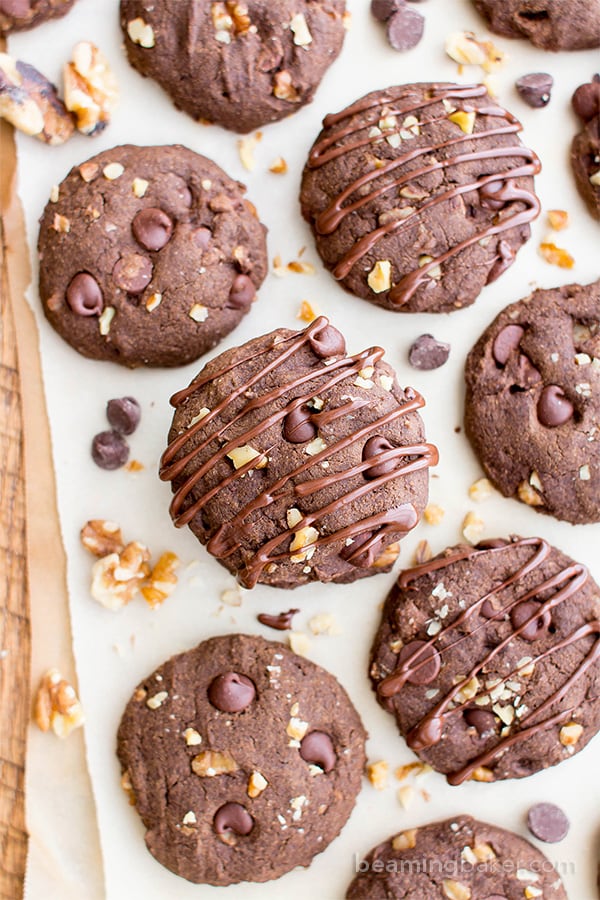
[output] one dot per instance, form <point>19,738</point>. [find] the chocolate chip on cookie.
<point>585,149</point>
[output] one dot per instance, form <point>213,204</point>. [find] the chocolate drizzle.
<point>557,588</point>
<point>498,190</point>
<point>228,538</point>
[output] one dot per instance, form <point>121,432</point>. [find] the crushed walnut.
<point>56,705</point>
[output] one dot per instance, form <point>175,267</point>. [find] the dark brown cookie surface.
<point>240,65</point>
<point>459,859</point>
<point>19,15</point>
<point>244,760</point>
<point>294,463</point>
<point>532,403</point>
<point>585,149</point>
<point>548,24</point>
<point>420,195</point>
<point>149,256</point>
<point>489,659</point>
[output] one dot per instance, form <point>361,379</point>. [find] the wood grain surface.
<point>15,635</point>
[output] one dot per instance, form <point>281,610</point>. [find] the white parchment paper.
<point>115,650</point>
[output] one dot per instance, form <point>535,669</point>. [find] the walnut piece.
<point>117,578</point>
<point>101,537</point>
<point>90,88</point>
<point>56,705</point>
<point>377,773</point>
<point>162,580</point>
<point>30,102</point>
<point>214,762</point>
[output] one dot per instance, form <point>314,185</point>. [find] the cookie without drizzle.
<point>295,462</point>
<point>488,657</point>
<point>548,24</point>
<point>20,15</point>
<point>242,759</point>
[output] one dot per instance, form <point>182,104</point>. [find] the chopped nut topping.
<point>379,278</point>
<point>256,784</point>
<point>88,172</point>
<point>246,147</point>
<point>91,89</point>
<point>299,643</point>
<point>556,255</point>
<point>570,733</point>
<point>293,516</point>
<point>480,490</point>
<point>595,178</point>
<point>105,320</point>
<point>323,623</point>
<point>307,312</point>
<point>388,557</point>
<point>56,705</point>
<point>141,33</point>
<point>317,445</point>
<point>214,762</point>
<point>386,382</point>
<point>434,514</point>
<point>54,193</point>
<point>558,219</point>
<point>192,737</point>
<point>302,35</point>
<point>455,890</point>
<point>584,473</point>
<point>283,88</point>
<point>112,171</point>
<point>529,495</point>
<point>189,818</point>
<point>406,840</point>
<point>241,456</point>
<point>464,48</point>
<point>464,120</point>
<point>157,700</point>
<point>116,578</point>
<point>162,580</point>
<point>278,166</point>
<point>139,186</point>
<point>61,224</point>
<point>482,773</point>
<point>128,787</point>
<point>304,540</point>
<point>153,301</point>
<point>198,312</point>
<point>301,267</point>
<point>472,527</point>
<point>377,773</point>
<point>296,728</point>
<point>101,537</point>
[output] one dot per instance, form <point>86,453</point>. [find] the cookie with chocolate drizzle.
<point>295,462</point>
<point>531,409</point>
<point>489,659</point>
<point>420,195</point>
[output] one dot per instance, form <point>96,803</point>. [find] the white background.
<point>115,650</point>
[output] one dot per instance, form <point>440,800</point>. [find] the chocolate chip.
<point>231,692</point>
<point>372,449</point>
<point>528,374</point>
<point>110,450</point>
<point>506,341</point>
<point>233,817</point>
<point>298,426</point>
<point>425,664</point>
<point>405,29</point>
<point>426,353</point>
<point>327,341</point>
<point>84,295</point>
<point>535,88</point>
<point>124,414</point>
<point>548,822</point>
<point>152,228</point>
<point>489,195</point>
<point>524,611</point>
<point>202,237</point>
<point>132,273</point>
<point>242,293</point>
<point>16,8</point>
<point>586,99</point>
<point>317,748</point>
<point>383,9</point>
<point>553,407</point>
<point>282,622</point>
<point>481,720</point>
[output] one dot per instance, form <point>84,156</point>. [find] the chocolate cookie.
<point>532,404</point>
<point>458,859</point>
<point>420,195</point>
<point>241,65</point>
<point>243,760</point>
<point>19,15</point>
<point>548,24</point>
<point>295,463</point>
<point>489,659</point>
<point>149,256</point>
<point>585,149</point>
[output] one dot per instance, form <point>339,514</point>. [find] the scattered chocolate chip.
<point>152,228</point>
<point>524,611</point>
<point>298,426</point>
<point>202,237</point>
<point>282,622</point>
<point>425,665</point>
<point>586,100</point>
<point>553,407</point>
<point>233,817</point>
<point>132,273</point>
<point>506,341</point>
<point>372,449</point>
<point>242,292</point>
<point>84,295</point>
<point>231,692</point>
<point>535,88</point>
<point>317,748</point>
<point>327,341</point>
<point>124,414</point>
<point>481,720</point>
<point>426,353</point>
<point>548,822</point>
<point>110,450</point>
<point>405,29</point>
<point>383,9</point>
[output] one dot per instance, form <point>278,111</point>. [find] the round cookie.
<point>149,256</point>
<point>19,15</point>
<point>243,760</point>
<point>420,195</point>
<point>548,24</point>
<point>531,409</point>
<point>295,463</point>
<point>488,657</point>
<point>458,858</point>
<point>239,65</point>
<point>585,149</point>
